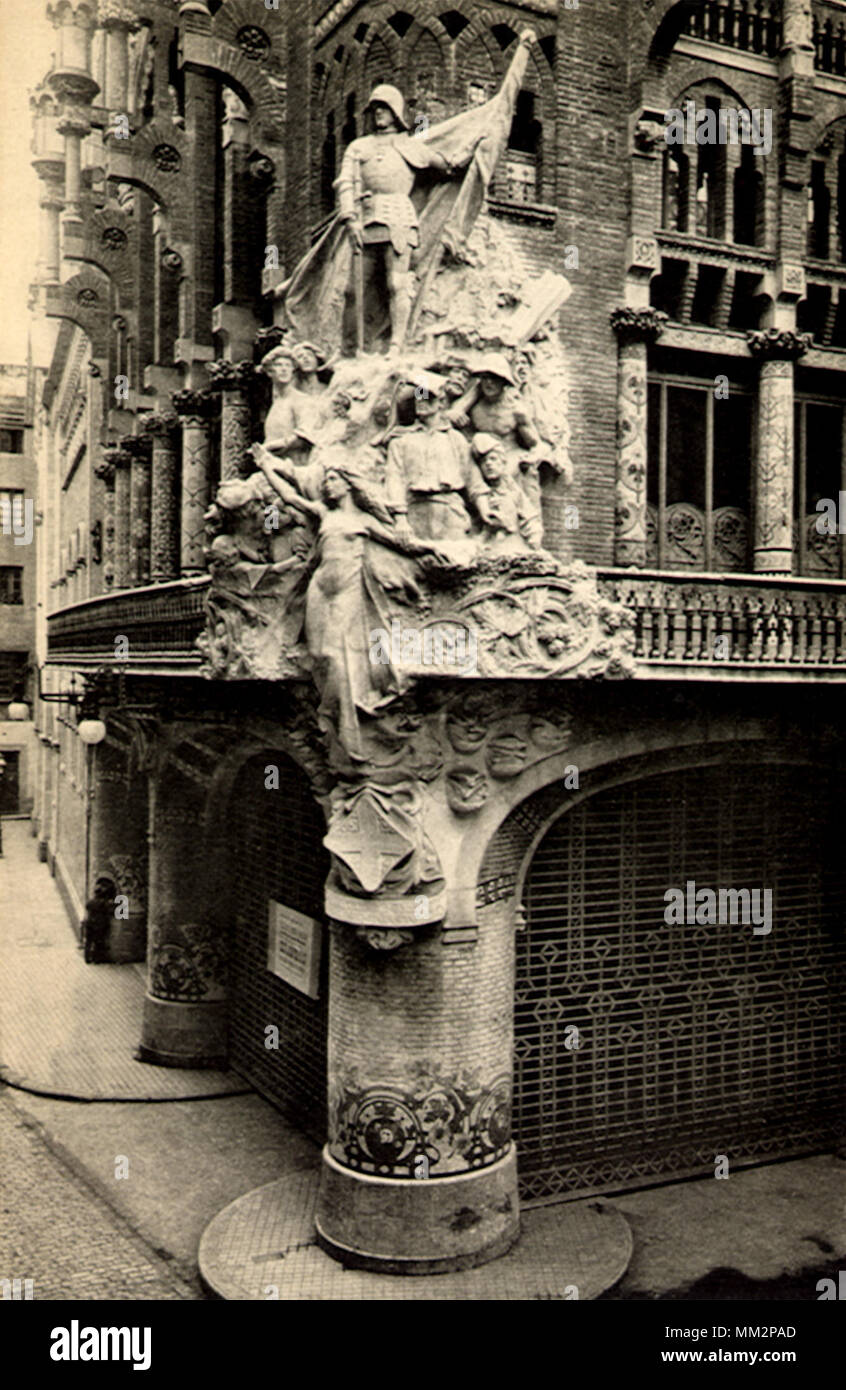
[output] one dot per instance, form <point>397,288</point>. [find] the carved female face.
<point>466,729</point>
<point>335,486</point>
<point>306,360</point>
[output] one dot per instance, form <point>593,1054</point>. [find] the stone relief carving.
<point>391,531</point>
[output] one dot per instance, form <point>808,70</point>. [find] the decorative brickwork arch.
<point>110,243</point>
<point>85,300</point>
<point>263,92</point>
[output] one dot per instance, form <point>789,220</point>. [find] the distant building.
<point>17,590</point>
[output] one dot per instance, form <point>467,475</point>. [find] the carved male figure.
<point>374,186</point>
<point>430,479</point>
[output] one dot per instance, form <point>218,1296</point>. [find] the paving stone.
<point>67,1028</point>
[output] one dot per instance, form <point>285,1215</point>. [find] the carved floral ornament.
<point>638,325</point>
<point>778,344</point>
<point>113,238</point>
<point>167,159</point>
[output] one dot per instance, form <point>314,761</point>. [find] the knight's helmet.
<point>391,97</point>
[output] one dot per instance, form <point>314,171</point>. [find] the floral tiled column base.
<point>419,1173</point>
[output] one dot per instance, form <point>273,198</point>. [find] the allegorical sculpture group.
<point>418,409</point>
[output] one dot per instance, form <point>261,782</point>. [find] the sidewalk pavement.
<point>67,1028</point>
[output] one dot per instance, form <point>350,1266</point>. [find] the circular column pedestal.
<point>417,1226</point>
<point>177,1034</point>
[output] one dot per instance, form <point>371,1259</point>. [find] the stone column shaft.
<point>185,1011</point>
<point>164,512</point>
<point>140,449</point>
<point>121,462</point>
<point>777,351</point>
<point>635,329</point>
<point>232,380</point>
<point>195,409</point>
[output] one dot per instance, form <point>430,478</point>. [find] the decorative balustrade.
<point>752,25</point>
<point>830,43</point>
<point>780,624</point>
<point>160,623</point>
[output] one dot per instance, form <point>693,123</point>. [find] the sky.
<point>26,45</point>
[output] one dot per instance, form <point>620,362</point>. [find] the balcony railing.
<point>161,623</point>
<point>751,25</point>
<point>733,624</point>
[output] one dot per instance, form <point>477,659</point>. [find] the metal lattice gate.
<point>693,1040</point>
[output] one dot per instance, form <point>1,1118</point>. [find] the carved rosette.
<point>233,379</point>
<point>777,350</point>
<point>635,330</point>
<point>195,410</point>
<point>187,963</point>
<point>164,515</point>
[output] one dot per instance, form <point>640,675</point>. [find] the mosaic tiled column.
<point>164,510</point>
<point>419,1171</point>
<point>139,447</point>
<point>232,379</point>
<point>194,409</point>
<point>777,350</point>
<point>185,1011</point>
<point>635,329</point>
<point>106,473</point>
<point>121,462</point>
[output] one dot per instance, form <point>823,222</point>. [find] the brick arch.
<point>72,301</point>
<point>665,22</point>
<point>237,14</point>
<point>710,86</point>
<point>820,128</point>
<point>500,843</point>
<point>253,84</point>
<point>116,262</point>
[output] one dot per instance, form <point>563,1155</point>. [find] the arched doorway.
<point>692,1040</point>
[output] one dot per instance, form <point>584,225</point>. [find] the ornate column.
<point>74,87</point>
<point>121,462</point>
<point>164,512</point>
<point>194,408</point>
<point>185,1013</point>
<point>117,19</point>
<point>636,329</point>
<point>419,1172</point>
<point>139,448</point>
<point>106,473</point>
<point>232,379</point>
<point>777,350</point>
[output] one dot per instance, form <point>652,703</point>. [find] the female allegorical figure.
<point>357,564</point>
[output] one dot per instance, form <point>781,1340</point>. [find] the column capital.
<point>229,376</point>
<point>196,405</point>
<point>116,456</point>
<point>160,424</point>
<point>638,325</point>
<point>778,344</point>
<point>114,14</point>
<point>106,473</point>
<point>138,446</point>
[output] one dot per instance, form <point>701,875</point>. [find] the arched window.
<point>748,197</point>
<point>523,172</point>
<point>819,212</point>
